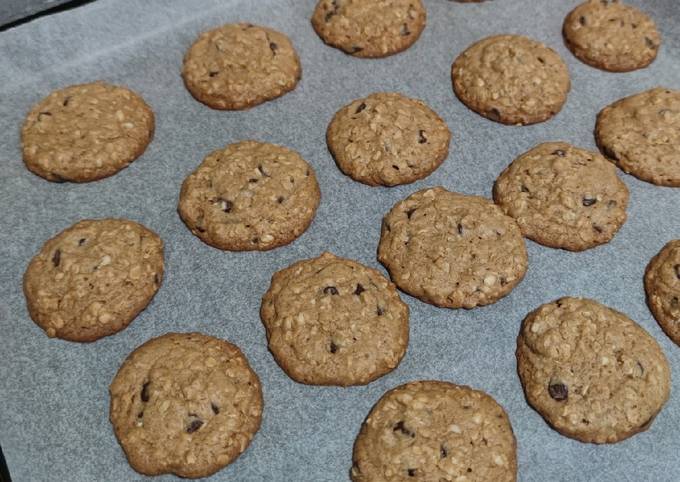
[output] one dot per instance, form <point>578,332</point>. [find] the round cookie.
<point>86,132</point>
<point>611,36</point>
<point>388,139</point>
<point>591,372</point>
<point>250,196</point>
<point>435,431</point>
<point>452,250</point>
<point>511,79</point>
<point>237,66</point>
<point>186,404</point>
<point>92,279</point>
<point>662,284</point>
<point>563,197</point>
<point>333,321</point>
<point>641,135</point>
<point>369,28</point>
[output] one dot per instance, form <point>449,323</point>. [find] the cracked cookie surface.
<point>369,28</point>
<point>333,321</point>
<point>612,36</point>
<point>185,403</point>
<point>662,284</point>
<point>452,250</point>
<point>250,196</point>
<point>563,196</point>
<point>237,66</point>
<point>92,279</point>
<point>86,132</point>
<point>511,79</point>
<point>432,430</point>
<point>388,139</point>
<point>641,135</point>
<point>591,372</point>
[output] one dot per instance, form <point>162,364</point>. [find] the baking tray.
<point>54,394</point>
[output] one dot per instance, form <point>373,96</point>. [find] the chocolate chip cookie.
<point>563,196</point>
<point>452,250</point>
<point>369,28</point>
<point>435,431</point>
<point>333,321</point>
<point>511,79</point>
<point>662,284</point>
<point>250,196</point>
<point>237,66</point>
<point>591,372</point>
<point>92,279</point>
<point>186,404</point>
<point>641,134</point>
<point>388,139</point>
<point>86,132</point>
<point>612,36</point>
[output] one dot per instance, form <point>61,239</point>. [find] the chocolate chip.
<point>558,391</point>
<point>56,258</point>
<point>213,73</point>
<point>524,188</point>
<point>81,241</point>
<point>589,201</point>
<point>411,472</point>
<point>145,392</point>
<point>401,427</point>
<point>280,199</point>
<point>273,47</point>
<point>226,205</point>
<point>494,114</point>
<point>650,43</point>
<point>598,228</point>
<point>677,270</point>
<point>330,290</point>
<point>333,348</point>
<point>405,31</point>
<point>361,107</point>
<point>559,152</point>
<point>410,212</point>
<point>394,166</point>
<point>194,425</point>
<point>252,180</point>
<point>582,20</point>
<point>140,414</point>
<point>380,311</point>
<point>460,228</point>
<point>421,137</point>
<point>66,101</point>
<point>332,12</point>
<point>540,59</point>
<point>215,408</point>
<point>360,289</point>
<point>442,452</point>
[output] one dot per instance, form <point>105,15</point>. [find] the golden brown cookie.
<point>563,196</point>
<point>610,35</point>
<point>369,28</point>
<point>86,132</point>
<point>92,279</point>
<point>511,79</point>
<point>662,284</point>
<point>237,66</point>
<point>641,134</point>
<point>186,404</point>
<point>250,196</point>
<point>435,431</point>
<point>333,321</point>
<point>591,372</point>
<point>452,250</point>
<point>388,139</point>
